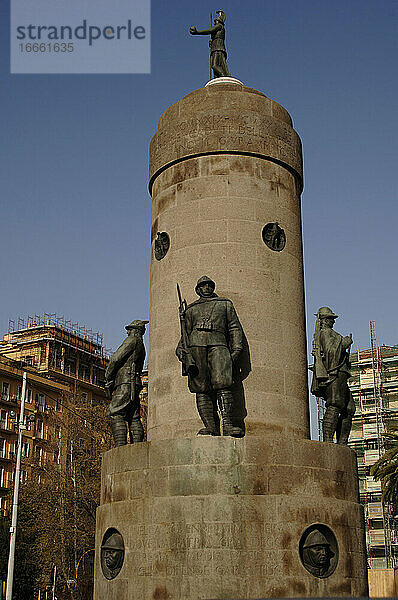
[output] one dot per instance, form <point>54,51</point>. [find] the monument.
<point>331,371</point>
<point>261,511</point>
<point>123,386</point>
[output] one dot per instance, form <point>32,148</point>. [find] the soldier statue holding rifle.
<point>211,343</point>
<point>218,52</point>
<point>123,385</point>
<point>331,371</point>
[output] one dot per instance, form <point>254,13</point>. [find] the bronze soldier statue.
<point>218,52</point>
<point>123,385</point>
<point>211,342</point>
<point>331,371</point>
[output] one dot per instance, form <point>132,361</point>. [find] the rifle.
<point>319,369</point>
<point>188,363</point>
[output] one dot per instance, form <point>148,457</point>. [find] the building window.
<point>3,419</point>
<point>40,402</point>
<point>57,429</point>
<point>3,448</point>
<point>39,455</point>
<point>70,367</point>
<point>2,476</point>
<point>28,361</point>
<point>29,396</point>
<point>84,372</point>
<point>84,398</point>
<point>56,456</point>
<point>23,476</point>
<point>5,391</point>
<point>39,429</point>
<point>25,449</point>
<point>58,405</point>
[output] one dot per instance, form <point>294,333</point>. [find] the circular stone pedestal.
<point>222,518</point>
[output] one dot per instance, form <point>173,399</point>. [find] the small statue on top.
<point>218,52</point>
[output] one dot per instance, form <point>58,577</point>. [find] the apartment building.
<point>41,442</point>
<point>374,385</point>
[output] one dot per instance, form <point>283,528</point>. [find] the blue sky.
<point>75,208</point>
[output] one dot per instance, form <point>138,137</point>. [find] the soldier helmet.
<point>113,542</point>
<point>204,280</point>
<point>136,324</point>
<point>221,16</point>
<point>325,312</point>
<point>315,538</point>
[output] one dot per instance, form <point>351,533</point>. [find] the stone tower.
<point>219,517</point>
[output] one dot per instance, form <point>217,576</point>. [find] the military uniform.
<point>215,340</point>
<point>340,406</point>
<point>123,382</point>
<point>215,335</point>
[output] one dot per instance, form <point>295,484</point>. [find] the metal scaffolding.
<point>374,385</point>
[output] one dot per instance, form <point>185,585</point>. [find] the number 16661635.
<point>47,47</point>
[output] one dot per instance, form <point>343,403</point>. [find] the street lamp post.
<point>13,528</point>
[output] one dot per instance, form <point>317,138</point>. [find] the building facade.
<point>374,385</point>
<point>61,351</point>
<point>42,439</point>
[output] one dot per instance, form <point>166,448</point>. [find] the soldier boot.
<point>343,432</point>
<point>119,430</point>
<point>208,415</point>
<point>136,431</point>
<point>330,421</point>
<point>225,403</point>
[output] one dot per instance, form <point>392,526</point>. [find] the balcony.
<point>376,537</point>
<point>9,456</point>
<point>371,456</point>
<point>375,510</point>
<point>7,427</point>
<point>9,399</point>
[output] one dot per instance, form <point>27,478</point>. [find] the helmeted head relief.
<point>136,324</point>
<point>114,542</point>
<point>316,538</point>
<point>204,280</point>
<point>325,312</point>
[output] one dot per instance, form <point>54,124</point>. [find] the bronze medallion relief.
<point>162,244</point>
<point>274,236</point>
<point>319,552</point>
<point>112,553</point>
